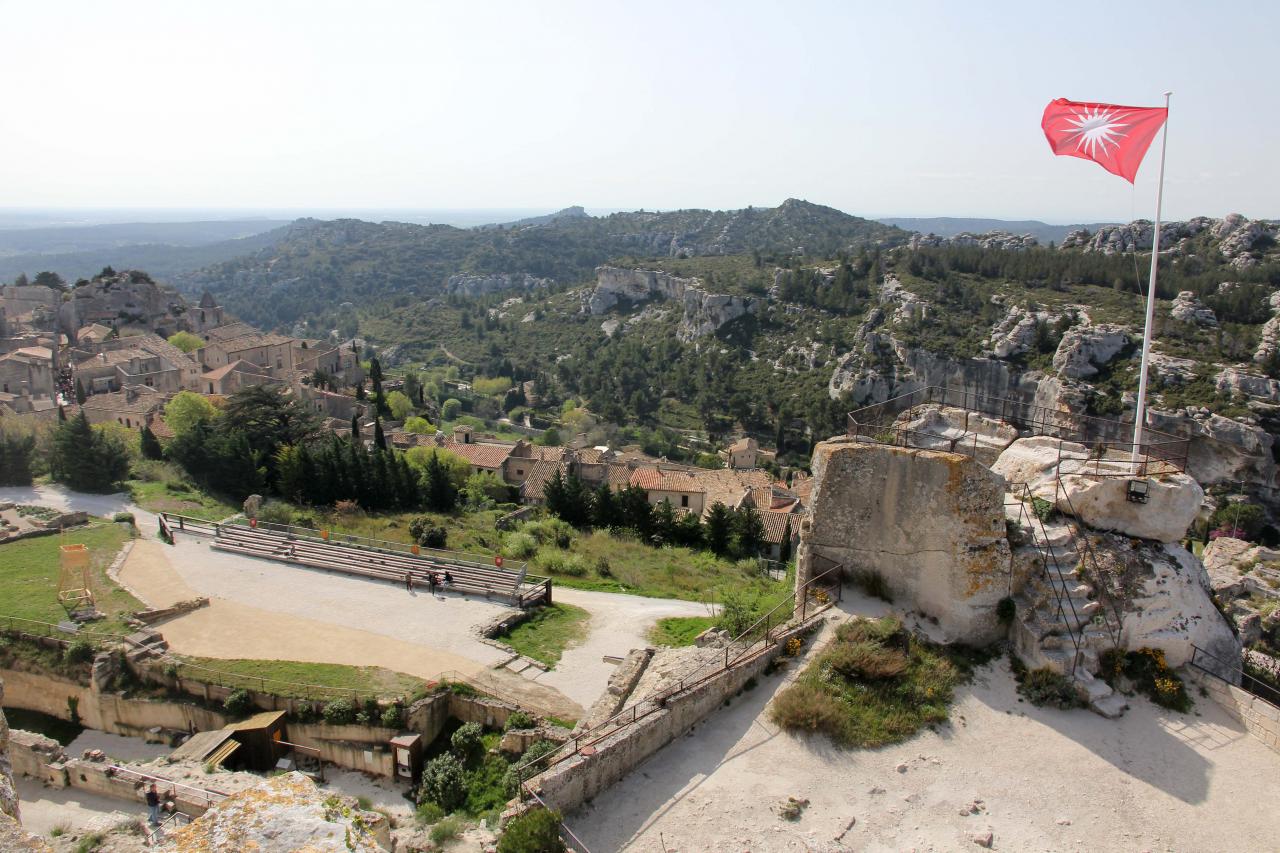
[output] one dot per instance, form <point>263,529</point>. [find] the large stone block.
<point>931,523</point>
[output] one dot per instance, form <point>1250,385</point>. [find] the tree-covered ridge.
<point>315,266</point>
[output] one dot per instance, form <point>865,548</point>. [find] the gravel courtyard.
<point>1044,780</point>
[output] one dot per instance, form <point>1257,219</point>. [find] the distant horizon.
<point>91,216</point>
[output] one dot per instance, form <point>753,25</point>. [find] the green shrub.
<point>444,782</point>
<point>428,813</point>
<point>1043,509</point>
<point>446,830</point>
<point>1047,687</point>
<point>535,831</point>
<point>867,660</point>
<point>238,703</point>
<point>520,545</point>
<point>550,531</point>
<point>603,569</point>
<point>275,512</point>
<point>1147,669</point>
<point>124,517</point>
<point>428,534</point>
<point>80,651</point>
<point>806,707</point>
<point>519,720</point>
<point>537,749</point>
<point>467,742</point>
<point>339,712</point>
<point>392,717</point>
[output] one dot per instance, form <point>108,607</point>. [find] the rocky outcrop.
<point>12,837</point>
<point>1237,236</point>
<point>1084,349</point>
<point>954,568</point>
<point>482,285</point>
<point>1221,450</point>
<point>1137,235</point>
<point>8,796</point>
<point>704,313</point>
<point>1095,492</point>
<point>285,813</point>
<point>1268,341</point>
<point>906,305</point>
<point>1189,309</point>
<point>987,240</point>
<point>1171,609</point>
<point>126,298</point>
<point>1232,380</point>
<point>935,427</point>
<point>1171,370</point>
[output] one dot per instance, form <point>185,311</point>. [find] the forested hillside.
<point>316,266</point>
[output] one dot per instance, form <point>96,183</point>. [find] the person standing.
<point>153,805</point>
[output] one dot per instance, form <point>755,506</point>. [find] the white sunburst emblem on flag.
<point>1092,130</point>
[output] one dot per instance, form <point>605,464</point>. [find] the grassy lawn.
<point>179,498</point>
<point>364,680</point>
<point>876,684</point>
<point>552,630</point>
<point>679,630</point>
<point>29,571</point>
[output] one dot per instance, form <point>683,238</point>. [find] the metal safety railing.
<point>748,645</point>
<point>1202,661</point>
<point>1159,453</point>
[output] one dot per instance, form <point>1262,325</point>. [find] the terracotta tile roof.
<point>229,331</point>
<point>776,526</point>
<point>729,486</point>
<point>546,454</point>
<point>120,356</point>
<point>143,400</point>
<point>740,445</point>
<point>775,498</point>
<point>480,455</point>
<point>238,366</point>
<point>539,475</point>
<point>161,429</point>
<point>657,480</point>
<point>31,353</point>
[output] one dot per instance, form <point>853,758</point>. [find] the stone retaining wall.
<point>569,784</point>
<point>621,684</point>
<point>1260,718</point>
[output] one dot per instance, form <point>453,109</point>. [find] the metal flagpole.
<point>1140,414</point>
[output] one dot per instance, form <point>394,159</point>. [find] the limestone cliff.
<point>12,837</point>
<point>483,285</point>
<point>932,527</point>
<point>703,313</point>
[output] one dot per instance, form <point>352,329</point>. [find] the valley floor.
<point>1045,780</point>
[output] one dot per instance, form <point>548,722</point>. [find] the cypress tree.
<point>80,395</point>
<point>355,429</point>
<point>379,439</point>
<point>150,445</point>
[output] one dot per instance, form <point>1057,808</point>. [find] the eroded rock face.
<point>481,285</point>
<point>1172,611</point>
<point>1100,502</point>
<point>1221,450</point>
<point>1232,380</point>
<point>1096,493</point>
<point>932,525</point>
<point>284,813</point>
<point>8,796</point>
<point>946,428</point>
<point>704,313</point>
<point>1189,309</point>
<point>1084,349</point>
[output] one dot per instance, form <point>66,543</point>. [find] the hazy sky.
<point>911,109</point>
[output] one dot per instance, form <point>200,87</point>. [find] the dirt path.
<point>1046,779</point>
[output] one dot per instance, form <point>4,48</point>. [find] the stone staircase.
<point>1060,622</point>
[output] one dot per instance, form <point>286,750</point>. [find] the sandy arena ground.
<point>1047,780</point>
<point>262,609</point>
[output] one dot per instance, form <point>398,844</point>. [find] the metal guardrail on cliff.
<point>1160,452</point>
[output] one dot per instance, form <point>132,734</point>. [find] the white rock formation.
<point>1101,501</point>
<point>481,285</point>
<point>284,813</point>
<point>988,240</point>
<point>1173,610</point>
<point>1268,341</point>
<point>1232,380</point>
<point>1189,309</point>
<point>704,312</point>
<point>1172,370</point>
<point>906,305</point>
<point>1084,349</point>
<point>937,427</point>
<point>1222,450</point>
<point>8,796</point>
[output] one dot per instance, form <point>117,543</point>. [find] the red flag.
<point>1114,137</point>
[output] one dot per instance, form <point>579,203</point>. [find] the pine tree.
<point>748,532</point>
